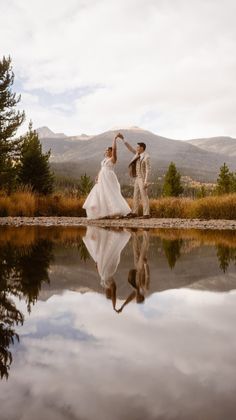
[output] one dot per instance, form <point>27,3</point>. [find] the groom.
<point>139,168</point>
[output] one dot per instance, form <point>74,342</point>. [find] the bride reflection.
<point>105,247</point>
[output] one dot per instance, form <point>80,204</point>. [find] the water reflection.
<point>10,316</point>
<point>22,272</point>
<point>37,263</point>
<point>225,256</point>
<point>172,250</point>
<point>105,247</point>
<point>139,276</point>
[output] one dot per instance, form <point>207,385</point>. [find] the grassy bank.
<point>29,204</point>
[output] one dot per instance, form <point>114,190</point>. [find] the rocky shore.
<point>120,223</point>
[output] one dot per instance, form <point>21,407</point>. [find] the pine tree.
<point>172,184</point>
<point>10,121</point>
<point>34,168</point>
<point>225,180</point>
<point>85,185</point>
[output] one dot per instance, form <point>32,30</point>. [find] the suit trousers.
<point>140,191</point>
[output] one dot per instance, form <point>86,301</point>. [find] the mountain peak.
<point>133,128</point>
<point>45,132</point>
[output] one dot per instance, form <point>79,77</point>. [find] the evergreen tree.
<point>34,168</point>
<point>172,184</point>
<point>10,120</point>
<point>225,180</point>
<point>85,185</point>
<point>234,182</point>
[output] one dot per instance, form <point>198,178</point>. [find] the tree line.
<point>22,161</point>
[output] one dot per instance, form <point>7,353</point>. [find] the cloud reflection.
<point>176,362</point>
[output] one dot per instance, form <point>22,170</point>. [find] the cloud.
<point>167,66</point>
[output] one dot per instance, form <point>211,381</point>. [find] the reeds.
<point>215,207</point>
<point>26,203</point>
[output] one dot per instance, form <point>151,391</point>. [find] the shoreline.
<point>153,223</point>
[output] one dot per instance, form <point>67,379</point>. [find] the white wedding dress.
<point>105,198</point>
<point>105,247</point>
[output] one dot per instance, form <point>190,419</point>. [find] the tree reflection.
<point>225,255</point>
<point>32,270</point>
<point>9,317</point>
<point>22,272</point>
<point>172,250</point>
<point>83,252</point>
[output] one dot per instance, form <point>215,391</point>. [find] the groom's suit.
<point>140,169</point>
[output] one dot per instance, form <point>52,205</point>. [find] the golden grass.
<point>19,203</point>
<point>215,207</point>
<point>26,203</point>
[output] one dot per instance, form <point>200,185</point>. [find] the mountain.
<point>82,137</point>
<point>221,145</point>
<point>75,155</point>
<point>45,132</point>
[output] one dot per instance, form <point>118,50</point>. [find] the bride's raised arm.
<point>129,147</point>
<point>114,151</point>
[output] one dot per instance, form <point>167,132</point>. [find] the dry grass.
<point>217,207</point>
<point>17,204</point>
<point>25,203</point>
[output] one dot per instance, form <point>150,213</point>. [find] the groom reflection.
<point>105,247</point>
<point>139,277</point>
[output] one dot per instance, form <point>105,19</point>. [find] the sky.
<point>87,66</point>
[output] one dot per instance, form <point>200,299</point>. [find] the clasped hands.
<point>119,136</point>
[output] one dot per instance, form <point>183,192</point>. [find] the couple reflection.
<point>105,247</point>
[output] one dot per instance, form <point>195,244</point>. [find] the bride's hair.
<point>110,149</point>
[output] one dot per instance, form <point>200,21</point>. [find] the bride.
<point>105,198</point>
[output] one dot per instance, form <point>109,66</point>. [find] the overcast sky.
<point>168,66</point>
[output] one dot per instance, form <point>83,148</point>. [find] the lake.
<point>117,324</point>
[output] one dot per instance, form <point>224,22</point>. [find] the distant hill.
<point>45,132</point>
<point>73,156</point>
<point>222,145</point>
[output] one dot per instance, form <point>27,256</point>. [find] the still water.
<point>101,324</point>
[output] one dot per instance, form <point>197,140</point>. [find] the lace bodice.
<point>107,163</point>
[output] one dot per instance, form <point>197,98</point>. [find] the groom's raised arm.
<point>129,147</point>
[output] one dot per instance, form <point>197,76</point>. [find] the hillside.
<point>73,157</point>
<point>221,145</point>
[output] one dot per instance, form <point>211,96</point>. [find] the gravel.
<point>120,223</point>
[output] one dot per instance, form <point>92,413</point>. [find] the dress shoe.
<point>131,215</point>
